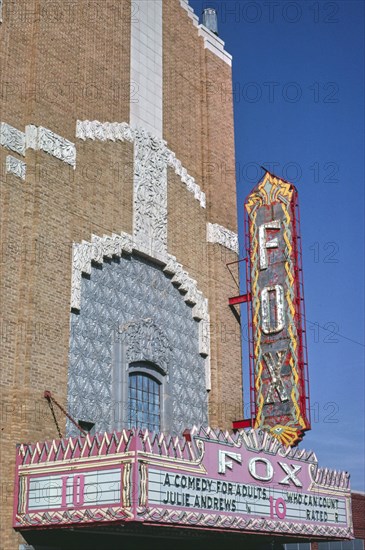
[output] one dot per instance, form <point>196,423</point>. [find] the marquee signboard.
<point>279,380</point>
<point>248,482</point>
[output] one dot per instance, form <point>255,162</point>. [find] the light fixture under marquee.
<point>278,359</point>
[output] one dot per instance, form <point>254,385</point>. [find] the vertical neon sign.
<point>278,360</point>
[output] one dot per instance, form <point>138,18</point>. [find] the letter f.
<point>264,244</point>
<point>224,464</point>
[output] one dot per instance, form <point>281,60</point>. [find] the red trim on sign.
<point>243,298</point>
<point>241,424</point>
<point>299,307</point>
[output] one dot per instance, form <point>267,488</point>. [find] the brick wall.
<point>54,69</point>
<point>358,514</point>
<point>183,88</point>
<point>58,66</point>
<point>198,127</point>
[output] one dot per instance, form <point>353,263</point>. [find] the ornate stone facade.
<point>96,251</point>
<point>132,301</point>
<point>145,341</point>
<point>110,285</point>
<point>150,195</point>
<point>105,248</point>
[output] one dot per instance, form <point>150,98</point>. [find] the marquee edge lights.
<point>279,387</point>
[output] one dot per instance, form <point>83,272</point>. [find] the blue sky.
<point>298,77</point>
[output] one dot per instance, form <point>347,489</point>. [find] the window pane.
<point>144,402</point>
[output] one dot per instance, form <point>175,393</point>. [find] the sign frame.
<point>246,482</point>
<point>271,196</point>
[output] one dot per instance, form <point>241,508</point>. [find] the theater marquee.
<point>279,380</point>
<point>248,482</point>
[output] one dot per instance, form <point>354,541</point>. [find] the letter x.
<point>276,382</point>
<point>291,470</point>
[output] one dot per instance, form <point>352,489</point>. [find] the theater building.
<point>120,327</point>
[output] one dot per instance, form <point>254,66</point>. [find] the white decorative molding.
<point>188,287</point>
<point>86,253</point>
<point>40,138</point>
<point>121,131</point>
<point>11,138</point>
<point>150,194</point>
<point>185,5</point>
<point>31,137</point>
<point>189,181</point>
<point>104,131</point>
<point>83,254</point>
<point>37,138</point>
<point>151,159</point>
<point>215,44</point>
<point>212,42</point>
<point>146,104</point>
<point>218,234</point>
<point>194,297</point>
<point>16,167</point>
<point>145,341</point>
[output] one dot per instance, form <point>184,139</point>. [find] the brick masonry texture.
<point>358,515</point>
<point>60,63</point>
<point>198,127</point>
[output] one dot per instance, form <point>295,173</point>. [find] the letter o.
<point>265,309</point>
<point>91,92</point>
<point>269,469</point>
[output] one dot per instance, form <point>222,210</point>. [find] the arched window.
<point>144,401</point>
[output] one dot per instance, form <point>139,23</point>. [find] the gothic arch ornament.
<point>114,246</point>
<point>141,347</point>
<point>143,340</point>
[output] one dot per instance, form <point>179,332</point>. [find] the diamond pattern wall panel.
<point>121,293</point>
